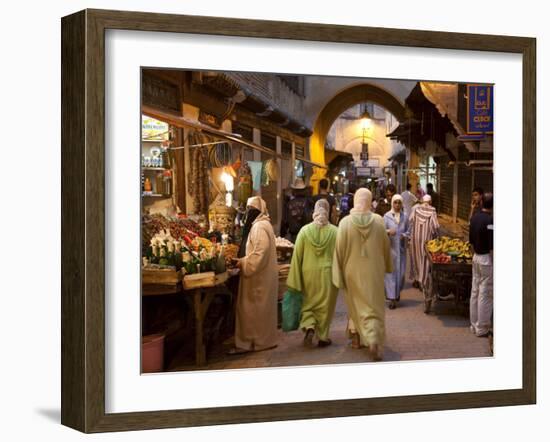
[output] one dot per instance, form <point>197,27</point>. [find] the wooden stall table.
<point>161,289</point>
<point>201,297</point>
<point>160,282</point>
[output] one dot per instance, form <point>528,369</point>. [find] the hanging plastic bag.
<point>291,310</point>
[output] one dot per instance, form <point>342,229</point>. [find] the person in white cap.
<point>361,259</point>
<point>424,227</point>
<point>256,315</point>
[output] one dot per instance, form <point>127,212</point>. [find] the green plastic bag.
<point>291,310</point>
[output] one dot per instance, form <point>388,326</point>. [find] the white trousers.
<point>481,301</point>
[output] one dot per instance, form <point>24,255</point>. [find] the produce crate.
<point>196,280</point>
<point>450,267</point>
<point>166,276</point>
<point>207,279</point>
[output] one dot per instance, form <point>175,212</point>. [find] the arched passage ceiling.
<point>337,105</point>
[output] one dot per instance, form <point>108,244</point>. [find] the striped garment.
<point>424,227</point>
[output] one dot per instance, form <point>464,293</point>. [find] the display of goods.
<point>264,179</point>
<point>198,179</point>
<point>212,161</point>
<point>441,258</point>
<point>450,246</point>
<point>180,228</point>
<point>283,242</point>
<point>244,185</point>
<point>199,243</point>
<point>194,253</point>
<point>231,252</point>
<point>223,154</point>
<point>219,155</point>
<point>222,217</point>
<point>235,167</point>
<point>272,170</point>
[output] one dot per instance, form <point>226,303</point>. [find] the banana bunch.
<point>434,246</point>
<point>451,246</point>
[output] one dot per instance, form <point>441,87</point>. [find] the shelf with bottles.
<point>158,185</point>
<point>154,156</point>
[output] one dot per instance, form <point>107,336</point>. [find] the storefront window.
<point>427,172</point>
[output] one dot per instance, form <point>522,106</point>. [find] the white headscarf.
<point>362,201</point>
<point>426,199</point>
<point>396,215</point>
<point>320,213</point>
<point>258,203</point>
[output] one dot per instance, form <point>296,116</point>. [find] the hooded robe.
<point>424,227</point>
<point>398,221</point>
<point>311,271</point>
<point>361,259</point>
<point>256,316</point>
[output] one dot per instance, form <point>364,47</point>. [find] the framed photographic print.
<point>267,221</point>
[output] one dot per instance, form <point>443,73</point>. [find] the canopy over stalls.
<point>424,123</point>
<point>183,122</point>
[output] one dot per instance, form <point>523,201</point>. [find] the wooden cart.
<point>448,282</point>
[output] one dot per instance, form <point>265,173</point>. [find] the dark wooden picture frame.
<point>83,220</point>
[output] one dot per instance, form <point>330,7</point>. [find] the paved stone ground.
<point>411,335</point>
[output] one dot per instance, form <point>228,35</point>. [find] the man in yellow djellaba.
<point>361,259</point>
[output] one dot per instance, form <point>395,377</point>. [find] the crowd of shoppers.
<point>364,256</point>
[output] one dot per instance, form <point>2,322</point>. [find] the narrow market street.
<point>241,175</point>
<point>411,335</point>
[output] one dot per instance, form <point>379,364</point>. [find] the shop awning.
<point>182,122</point>
<point>337,155</point>
<point>399,157</point>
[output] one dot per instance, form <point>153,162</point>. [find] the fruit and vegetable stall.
<point>191,256</point>
<point>196,180</point>
<point>450,271</point>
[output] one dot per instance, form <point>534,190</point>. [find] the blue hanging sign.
<point>480,109</point>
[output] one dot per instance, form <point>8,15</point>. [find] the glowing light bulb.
<point>227,180</point>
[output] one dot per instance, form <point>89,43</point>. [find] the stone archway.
<point>335,107</point>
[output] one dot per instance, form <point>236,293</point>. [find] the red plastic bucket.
<point>152,353</point>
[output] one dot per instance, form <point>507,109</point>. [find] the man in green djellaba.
<point>311,274</point>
